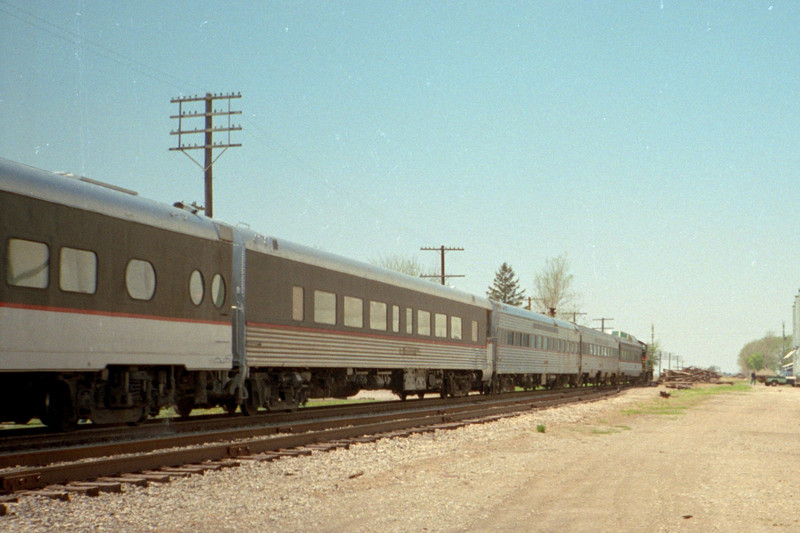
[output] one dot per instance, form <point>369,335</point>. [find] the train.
<point>114,306</point>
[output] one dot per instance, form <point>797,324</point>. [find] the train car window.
<point>377,316</point>
<point>218,290</point>
<point>353,312</point>
<point>526,340</point>
<point>140,279</point>
<point>324,307</point>
<point>455,328</point>
<point>396,318</point>
<point>196,287</point>
<point>474,331</point>
<point>424,323</point>
<point>297,303</point>
<point>440,325</point>
<point>409,321</point>
<point>28,264</point>
<point>77,271</point>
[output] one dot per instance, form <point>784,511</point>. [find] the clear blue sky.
<point>656,143</point>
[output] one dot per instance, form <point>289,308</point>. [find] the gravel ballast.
<point>594,468</point>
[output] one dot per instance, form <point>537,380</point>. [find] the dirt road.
<point>726,463</point>
<point>729,464</point>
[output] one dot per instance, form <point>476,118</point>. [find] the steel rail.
<point>93,462</point>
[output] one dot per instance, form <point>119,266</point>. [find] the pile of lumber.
<point>685,378</point>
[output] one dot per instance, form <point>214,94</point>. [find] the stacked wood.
<point>685,378</point>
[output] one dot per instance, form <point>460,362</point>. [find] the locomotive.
<point>114,306</point>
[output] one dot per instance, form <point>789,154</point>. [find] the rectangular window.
<point>28,264</point>
<point>440,325</point>
<point>377,316</point>
<point>526,340</point>
<point>455,327</point>
<point>297,303</point>
<point>409,321</point>
<point>510,338</point>
<point>423,323</point>
<point>77,271</point>
<point>396,318</point>
<point>353,312</point>
<point>474,331</point>
<point>324,307</point>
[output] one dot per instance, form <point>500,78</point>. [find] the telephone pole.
<point>575,316</point>
<point>208,132</point>
<point>442,250</point>
<point>602,323</point>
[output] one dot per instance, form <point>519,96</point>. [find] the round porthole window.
<point>196,290</point>
<point>140,279</point>
<point>218,290</point>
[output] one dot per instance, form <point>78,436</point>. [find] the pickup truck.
<point>778,380</point>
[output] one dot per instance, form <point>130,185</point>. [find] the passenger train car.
<point>113,306</point>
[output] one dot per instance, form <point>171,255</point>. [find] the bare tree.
<point>405,265</point>
<point>553,285</point>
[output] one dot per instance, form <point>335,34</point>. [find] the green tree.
<point>505,288</point>
<point>755,361</point>
<point>765,353</point>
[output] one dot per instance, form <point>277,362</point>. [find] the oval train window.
<point>218,290</point>
<point>140,279</point>
<point>196,290</point>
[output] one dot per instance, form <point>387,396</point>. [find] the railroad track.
<point>106,466</point>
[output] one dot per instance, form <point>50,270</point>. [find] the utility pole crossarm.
<point>208,130</point>
<point>442,249</point>
<point>603,323</point>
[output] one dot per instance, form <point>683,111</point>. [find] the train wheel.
<point>58,412</point>
<point>141,418</point>
<point>184,407</point>
<point>230,406</point>
<point>249,408</point>
<point>250,404</point>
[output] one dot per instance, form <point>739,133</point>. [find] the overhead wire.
<point>181,84</point>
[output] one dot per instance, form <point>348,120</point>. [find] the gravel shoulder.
<point>725,464</point>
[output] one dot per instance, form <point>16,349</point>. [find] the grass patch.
<point>540,428</point>
<point>610,430</point>
<point>682,400</point>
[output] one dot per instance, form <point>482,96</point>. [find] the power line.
<point>96,48</point>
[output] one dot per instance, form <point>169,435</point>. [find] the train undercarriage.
<point>130,394</point>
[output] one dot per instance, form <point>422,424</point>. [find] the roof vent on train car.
<point>225,232</point>
<point>98,183</point>
<point>193,208</point>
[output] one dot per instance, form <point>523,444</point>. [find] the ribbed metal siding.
<point>592,364</point>
<point>630,369</point>
<point>524,325</point>
<point>520,360</point>
<point>278,347</point>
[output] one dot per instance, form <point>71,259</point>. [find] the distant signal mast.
<point>191,116</point>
